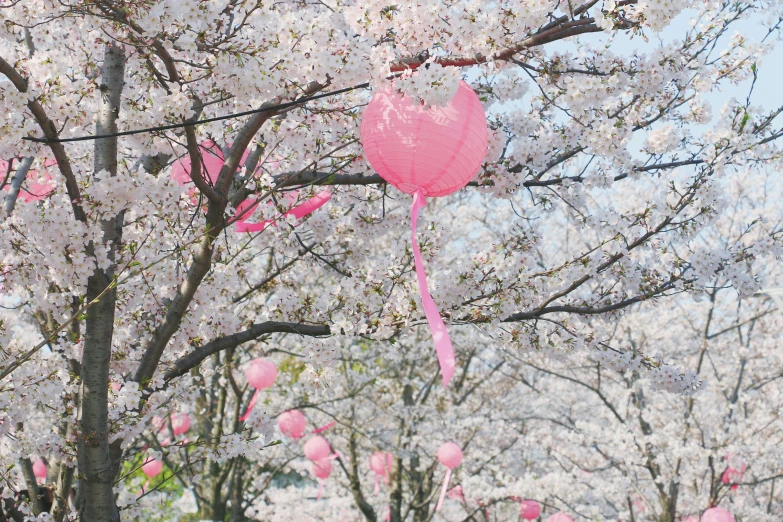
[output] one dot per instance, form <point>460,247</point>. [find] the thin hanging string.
<point>446,480</point>
<point>250,406</point>
<point>439,334</point>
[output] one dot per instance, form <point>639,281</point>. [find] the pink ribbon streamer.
<point>250,406</point>
<point>320,489</point>
<point>300,211</point>
<point>438,330</point>
<point>446,480</point>
<point>377,486</point>
<point>324,427</point>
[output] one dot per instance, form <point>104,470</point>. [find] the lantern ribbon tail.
<point>440,336</point>
<point>320,489</point>
<point>323,428</point>
<point>377,488</point>
<point>446,480</point>
<point>144,487</point>
<point>250,406</point>
<point>388,512</point>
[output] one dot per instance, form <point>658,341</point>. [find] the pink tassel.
<point>446,480</point>
<point>320,489</point>
<point>377,487</point>
<point>388,512</point>
<point>144,487</point>
<point>250,406</point>
<point>323,428</point>
<point>300,211</point>
<point>438,330</point>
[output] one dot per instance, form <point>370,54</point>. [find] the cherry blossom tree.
<point>129,295</point>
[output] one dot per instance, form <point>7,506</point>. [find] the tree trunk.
<point>96,470</point>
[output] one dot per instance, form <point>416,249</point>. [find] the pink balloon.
<point>322,468</point>
<point>435,150</point>
<point>316,448</point>
<point>560,517</point>
<point>152,468</point>
<point>261,374</point>
<point>381,463</point>
<point>180,423</point>
<point>39,469</point>
<point>529,509</point>
<point>292,423</point>
<point>717,514</point>
<point>450,455</point>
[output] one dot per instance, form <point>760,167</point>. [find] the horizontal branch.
<point>193,359</point>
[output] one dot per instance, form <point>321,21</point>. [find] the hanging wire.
<point>206,120</point>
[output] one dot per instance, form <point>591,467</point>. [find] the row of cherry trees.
<point>615,190</point>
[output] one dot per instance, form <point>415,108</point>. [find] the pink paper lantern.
<point>529,509</point>
<point>450,455</point>
<point>316,448</point>
<point>37,185</point>
<point>292,423</point>
<point>39,469</point>
<point>456,493</point>
<point>180,423</point>
<point>211,162</point>
<point>717,514</point>
<point>381,464</point>
<point>260,374</point>
<point>560,517</point>
<point>152,468</point>
<point>426,152</point>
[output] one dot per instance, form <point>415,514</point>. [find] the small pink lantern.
<point>37,185</point>
<point>316,448</point>
<point>180,423</point>
<point>381,464</point>
<point>717,514</point>
<point>152,469</point>
<point>450,455</point>
<point>456,493</point>
<point>39,470</point>
<point>292,423</point>
<point>322,469</point>
<point>529,509</point>
<point>260,374</point>
<point>560,517</point>
<point>426,152</point>
<point>211,162</point>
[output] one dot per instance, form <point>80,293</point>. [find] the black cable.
<point>207,120</point>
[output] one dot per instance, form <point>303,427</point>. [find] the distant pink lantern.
<point>717,514</point>
<point>456,493</point>
<point>322,469</point>
<point>560,517</point>
<point>260,374</point>
<point>180,423</point>
<point>292,423</point>
<point>426,152</point>
<point>37,185</point>
<point>152,468</point>
<point>529,509</point>
<point>450,455</point>
<point>39,469</point>
<point>316,448</point>
<point>381,464</point>
<point>211,162</point>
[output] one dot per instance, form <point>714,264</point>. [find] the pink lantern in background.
<point>717,514</point>
<point>316,448</point>
<point>292,423</point>
<point>456,493</point>
<point>260,374</point>
<point>39,470</point>
<point>381,464</point>
<point>560,517</point>
<point>180,423</point>
<point>426,152</point>
<point>37,185</point>
<point>152,469</point>
<point>450,455</point>
<point>322,469</point>
<point>529,509</point>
